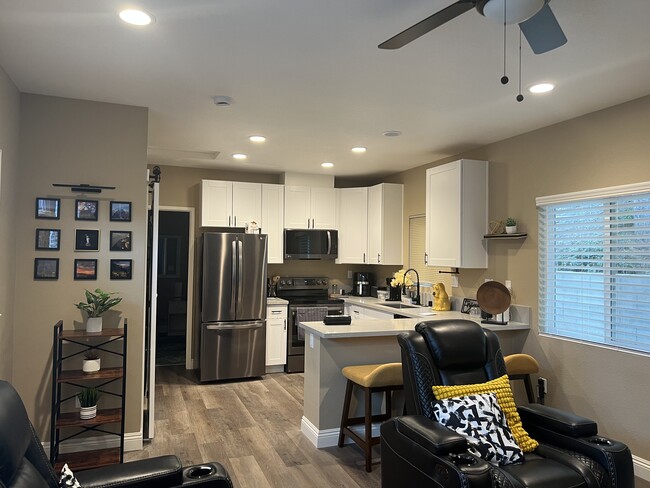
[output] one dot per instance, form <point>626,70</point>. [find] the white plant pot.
<point>94,324</point>
<point>88,412</point>
<point>91,365</point>
<point>511,229</point>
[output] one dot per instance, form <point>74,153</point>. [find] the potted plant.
<point>511,226</point>
<point>97,303</point>
<point>91,363</point>
<point>88,401</point>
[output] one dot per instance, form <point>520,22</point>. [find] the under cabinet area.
<point>276,337</point>
<point>107,427</point>
<point>457,214</point>
<point>230,203</point>
<point>309,207</point>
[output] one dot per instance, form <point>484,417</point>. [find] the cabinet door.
<point>390,206</point>
<point>375,225</point>
<point>216,203</point>
<point>356,312</point>
<point>297,212</point>
<point>273,220</point>
<point>353,225</point>
<point>323,208</point>
<point>276,336</point>
<point>246,203</point>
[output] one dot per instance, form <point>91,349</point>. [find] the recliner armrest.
<point>162,472</point>
<point>431,435</point>
<point>560,421</point>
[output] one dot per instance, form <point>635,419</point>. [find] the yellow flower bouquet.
<point>400,280</point>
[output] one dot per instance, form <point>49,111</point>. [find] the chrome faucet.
<point>417,283</point>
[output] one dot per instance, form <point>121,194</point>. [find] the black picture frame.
<point>46,268</point>
<point>86,240</point>
<point>120,212</point>
<point>85,269</point>
<point>48,208</point>
<point>86,209</point>
<point>121,269</point>
<point>120,240</point>
<point>48,240</point>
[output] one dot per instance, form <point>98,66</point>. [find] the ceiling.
<point>308,75</point>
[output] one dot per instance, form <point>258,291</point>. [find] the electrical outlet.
<point>349,274</point>
<point>311,341</point>
<point>454,281</point>
<point>544,383</point>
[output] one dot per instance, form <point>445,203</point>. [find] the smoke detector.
<point>222,101</point>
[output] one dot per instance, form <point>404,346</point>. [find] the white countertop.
<point>276,301</point>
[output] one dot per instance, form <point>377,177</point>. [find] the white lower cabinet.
<point>276,335</point>
<point>355,311</point>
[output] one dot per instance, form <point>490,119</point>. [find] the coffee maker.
<point>361,284</point>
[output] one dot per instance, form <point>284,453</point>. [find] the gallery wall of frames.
<point>49,239</point>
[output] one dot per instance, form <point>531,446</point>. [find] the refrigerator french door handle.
<point>240,265</point>
<point>329,242</point>
<point>235,276</point>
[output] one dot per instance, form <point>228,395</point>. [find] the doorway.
<point>174,278</point>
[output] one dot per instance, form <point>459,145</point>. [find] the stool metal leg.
<point>346,411</point>
<point>367,448</point>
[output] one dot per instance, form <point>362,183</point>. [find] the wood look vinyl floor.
<point>252,428</point>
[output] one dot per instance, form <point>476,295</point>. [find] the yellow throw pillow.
<point>501,387</point>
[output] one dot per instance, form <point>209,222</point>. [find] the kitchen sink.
<point>398,305</point>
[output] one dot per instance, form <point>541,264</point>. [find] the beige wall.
<point>9,121</point>
<point>75,141</point>
<point>605,148</point>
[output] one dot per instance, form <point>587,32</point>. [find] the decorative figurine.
<point>441,301</point>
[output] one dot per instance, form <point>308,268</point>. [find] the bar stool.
<point>520,367</point>
<point>371,378</point>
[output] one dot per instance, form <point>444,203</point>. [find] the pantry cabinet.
<point>385,224</point>
<point>353,225</point>
<point>309,207</point>
<point>457,214</point>
<point>230,203</point>
<point>273,221</point>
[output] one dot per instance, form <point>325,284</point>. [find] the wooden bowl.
<point>493,297</point>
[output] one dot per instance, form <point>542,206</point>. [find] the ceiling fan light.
<point>541,88</point>
<point>516,10</point>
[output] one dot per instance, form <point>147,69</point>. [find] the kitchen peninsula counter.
<point>329,348</point>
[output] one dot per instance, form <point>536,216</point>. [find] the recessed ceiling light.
<point>392,133</point>
<point>541,88</point>
<point>135,17</point>
<point>359,149</point>
<point>327,165</point>
<point>239,156</point>
<point>257,138</point>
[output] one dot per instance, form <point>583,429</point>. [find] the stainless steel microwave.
<point>311,244</point>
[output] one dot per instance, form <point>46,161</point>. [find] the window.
<point>594,266</point>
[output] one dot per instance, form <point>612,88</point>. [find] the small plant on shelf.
<point>92,362</point>
<point>88,398</point>
<point>511,225</point>
<point>97,303</point>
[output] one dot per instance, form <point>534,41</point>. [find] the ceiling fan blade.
<point>428,24</point>
<point>543,32</point>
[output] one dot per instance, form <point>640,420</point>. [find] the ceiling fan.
<point>535,18</point>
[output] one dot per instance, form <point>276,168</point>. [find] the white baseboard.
<point>277,368</point>
<point>132,442</point>
<point>641,468</point>
<point>330,437</point>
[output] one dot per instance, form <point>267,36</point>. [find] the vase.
<point>91,365</point>
<point>395,293</point>
<point>88,412</point>
<point>511,229</point>
<point>94,324</point>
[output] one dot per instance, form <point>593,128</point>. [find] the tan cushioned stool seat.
<point>521,364</point>
<point>374,375</point>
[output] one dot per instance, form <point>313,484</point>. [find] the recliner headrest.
<point>455,344</point>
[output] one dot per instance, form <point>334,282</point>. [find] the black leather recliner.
<point>418,451</point>
<point>23,463</point>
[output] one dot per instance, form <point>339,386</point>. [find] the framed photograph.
<point>120,212</point>
<point>120,240</point>
<point>48,208</point>
<point>86,240</point>
<point>85,269</point>
<point>48,239</point>
<point>121,269</point>
<point>86,209</point>
<point>46,268</point>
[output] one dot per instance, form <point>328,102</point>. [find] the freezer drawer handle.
<point>231,327</point>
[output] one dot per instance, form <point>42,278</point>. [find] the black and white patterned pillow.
<point>67,478</point>
<point>479,418</point>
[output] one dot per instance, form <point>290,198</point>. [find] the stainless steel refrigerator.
<point>233,305</point>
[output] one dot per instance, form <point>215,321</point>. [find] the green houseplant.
<point>511,225</point>
<point>91,362</point>
<point>97,303</point>
<point>88,398</point>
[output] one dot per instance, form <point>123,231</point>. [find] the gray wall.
<point>605,148</point>
<point>9,121</point>
<point>75,141</point>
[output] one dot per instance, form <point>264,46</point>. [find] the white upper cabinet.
<point>353,225</point>
<point>457,214</point>
<point>273,220</point>
<point>230,203</point>
<point>385,224</point>
<point>309,207</point>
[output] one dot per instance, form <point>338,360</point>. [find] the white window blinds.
<point>594,266</point>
